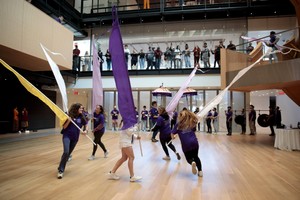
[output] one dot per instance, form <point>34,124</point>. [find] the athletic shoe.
<point>60,175</point>
<point>106,154</point>
<point>135,178</point>
<point>70,158</point>
<point>194,168</point>
<point>113,176</point>
<point>166,158</point>
<point>91,157</point>
<point>178,156</point>
<point>154,140</point>
<point>200,173</point>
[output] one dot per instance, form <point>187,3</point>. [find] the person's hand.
<point>85,132</point>
<point>138,137</point>
<point>173,136</point>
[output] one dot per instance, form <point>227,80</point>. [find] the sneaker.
<point>60,175</point>
<point>113,176</point>
<point>135,178</point>
<point>154,140</point>
<point>178,156</point>
<point>200,173</point>
<point>194,168</point>
<point>106,154</point>
<point>70,158</point>
<point>91,157</point>
<point>166,158</point>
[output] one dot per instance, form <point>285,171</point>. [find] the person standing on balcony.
<point>108,60</point>
<point>187,56</point>
<point>272,43</point>
<point>196,51</point>
<point>158,54</point>
<point>146,4</point>
<point>205,55</point>
<point>76,58</point>
<point>142,59</point>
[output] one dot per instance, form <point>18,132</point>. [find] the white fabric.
<point>287,139</point>
<point>59,79</point>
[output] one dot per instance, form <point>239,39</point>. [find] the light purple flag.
<point>173,103</point>
<point>125,99</point>
<point>97,82</point>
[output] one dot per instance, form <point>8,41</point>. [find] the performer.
<point>126,141</point>
<point>71,135</point>
<point>99,129</point>
<point>186,128</point>
<point>163,125</point>
<point>208,121</point>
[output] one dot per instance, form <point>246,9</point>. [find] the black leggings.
<point>164,142</point>
<point>191,156</point>
<point>97,140</point>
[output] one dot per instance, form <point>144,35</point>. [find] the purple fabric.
<point>125,99</point>
<point>97,82</point>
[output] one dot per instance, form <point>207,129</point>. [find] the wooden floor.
<point>236,167</point>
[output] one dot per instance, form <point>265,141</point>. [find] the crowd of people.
<point>155,58</point>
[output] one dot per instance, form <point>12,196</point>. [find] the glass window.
<point>109,105</point>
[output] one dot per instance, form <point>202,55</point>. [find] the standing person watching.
<point>215,117</point>
<point>243,125</point>
<point>228,114</point>
<point>252,119</point>
<point>24,120</point>
<point>185,128</point>
<point>114,117</point>
<point>16,120</point>
<point>153,118</point>
<point>144,118</point>
<point>99,130</point>
<point>76,58</point>
<point>71,135</point>
<point>271,120</point>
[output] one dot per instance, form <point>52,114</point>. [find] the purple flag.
<point>97,83</point>
<point>125,99</point>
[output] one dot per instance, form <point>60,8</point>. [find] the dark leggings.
<point>97,140</point>
<point>191,156</point>
<point>164,142</point>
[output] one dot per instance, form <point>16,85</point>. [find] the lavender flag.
<point>125,99</point>
<point>97,82</point>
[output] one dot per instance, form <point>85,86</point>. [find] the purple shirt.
<point>99,119</point>
<point>164,128</point>
<point>114,113</point>
<point>187,138</point>
<point>72,131</point>
<point>144,114</point>
<point>153,112</point>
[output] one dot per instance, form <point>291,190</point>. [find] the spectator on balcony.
<point>177,57</point>
<point>249,48</point>
<point>100,58</point>
<point>76,58</point>
<point>205,55</point>
<point>196,51</point>
<point>146,4</point>
<point>86,61</point>
<point>231,46</point>
<point>60,19</point>
<point>108,60</point>
<point>127,53</point>
<point>173,57</point>
<point>142,59</point>
<point>167,57</point>
<point>272,43</point>
<point>134,59</point>
<point>158,53</point>
<point>150,57</point>
<point>187,56</point>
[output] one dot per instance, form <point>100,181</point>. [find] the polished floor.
<point>236,167</point>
